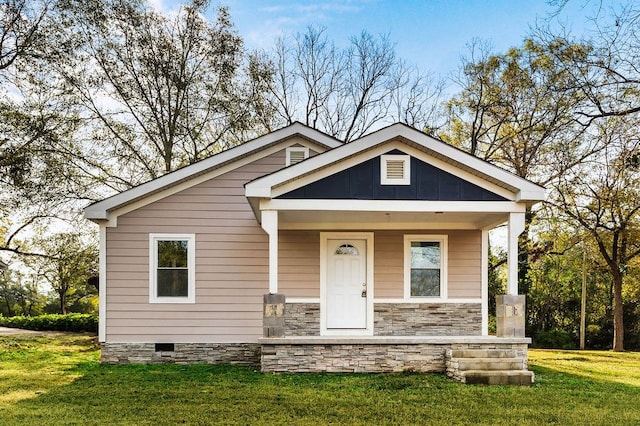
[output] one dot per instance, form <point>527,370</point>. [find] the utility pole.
<point>583,304</point>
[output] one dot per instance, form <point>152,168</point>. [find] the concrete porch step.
<point>497,377</point>
<point>489,364</point>
<point>483,353</point>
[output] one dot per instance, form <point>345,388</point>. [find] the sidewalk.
<point>6,331</point>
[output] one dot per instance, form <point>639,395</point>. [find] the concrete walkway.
<point>6,331</point>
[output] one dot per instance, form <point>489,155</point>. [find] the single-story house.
<point>297,252</point>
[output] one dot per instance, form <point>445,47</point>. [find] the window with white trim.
<point>296,154</point>
<point>395,170</point>
<point>172,268</point>
<point>425,266</point>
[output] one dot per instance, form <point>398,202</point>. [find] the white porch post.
<point>516,227</point>
<point>484,279</point>
<point>270,225</point>
<point>102,284</point>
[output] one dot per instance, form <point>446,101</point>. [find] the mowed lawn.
<point>58,380</point>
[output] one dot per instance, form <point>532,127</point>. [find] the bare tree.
<point>605,66</point>
<point>348,92</point>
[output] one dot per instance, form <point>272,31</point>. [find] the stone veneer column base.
<point>184,353</point>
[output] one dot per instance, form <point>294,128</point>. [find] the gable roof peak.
<point>100,210</point>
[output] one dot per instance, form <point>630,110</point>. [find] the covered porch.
<point>447,333</point>
<point>380,287</point>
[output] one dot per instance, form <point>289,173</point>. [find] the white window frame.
<point>406,177</point>
<point>153,267</point>
<point>444,254</point>
<point>291,149</point>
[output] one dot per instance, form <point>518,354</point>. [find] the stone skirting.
<point>427,319</point>
<point>183,353</point>
<point>302,319</point>
<point>372,355</point>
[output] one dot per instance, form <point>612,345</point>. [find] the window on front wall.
<point>172,268</point>
<point>425,266</point>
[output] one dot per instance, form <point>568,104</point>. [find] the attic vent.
<point>395,170</point>
<point>296,154</point>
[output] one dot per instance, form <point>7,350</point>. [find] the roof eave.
<point>99,211</point>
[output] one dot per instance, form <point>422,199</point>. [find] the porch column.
<point>510,308</point>
<point>270,225</point>
<point>516,227</point>
<point>484,280</point>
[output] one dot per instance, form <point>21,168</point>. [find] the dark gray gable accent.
<point>362,182</point>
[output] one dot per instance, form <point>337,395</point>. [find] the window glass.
<point>347,249</point>
<point>172,254</point>
<point>171,268</point>
<point>173,283</point>
<point>173,273</point>
<point>425,268</point>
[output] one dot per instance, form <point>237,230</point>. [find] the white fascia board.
<point>394,206</point>
<point>264,191</point>
<point>262,187</point>
<point>532,194</point>
<point>101,210</point>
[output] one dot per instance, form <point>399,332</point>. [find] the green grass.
<point>58,380</point>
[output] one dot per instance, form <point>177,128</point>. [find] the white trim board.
<point>102,283</point>
<point>412,142</point>
<point>183,177</point>
<point>394,206</point>
<point>426,300</point>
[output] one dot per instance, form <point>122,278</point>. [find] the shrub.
<point>556,338</point>
<point>54,322</point>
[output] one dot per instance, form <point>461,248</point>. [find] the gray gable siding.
<point>362,182</point>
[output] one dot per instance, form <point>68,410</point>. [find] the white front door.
<point>346,306</point>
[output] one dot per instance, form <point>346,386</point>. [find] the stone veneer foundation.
<point>372,354</point>
<point>183,353</point>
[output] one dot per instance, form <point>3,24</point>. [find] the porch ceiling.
<point>363,220</point>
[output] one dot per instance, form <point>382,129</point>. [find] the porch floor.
<point>392,340</point>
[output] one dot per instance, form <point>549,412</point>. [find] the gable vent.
<point>395,170</point>
<point>296,155</point>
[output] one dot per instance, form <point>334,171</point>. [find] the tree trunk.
<point>618,307</point>
<point>63,304</point>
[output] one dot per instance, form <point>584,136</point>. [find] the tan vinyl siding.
<point>464,263</point>
<point>231,264</point>
<point>388,260</point>
<point>299,263</point>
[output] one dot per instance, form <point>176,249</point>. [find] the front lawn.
<point>58,380</point>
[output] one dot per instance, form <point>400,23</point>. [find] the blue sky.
<point>431,33</point>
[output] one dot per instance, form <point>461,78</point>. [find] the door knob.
<point>364,293</point>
